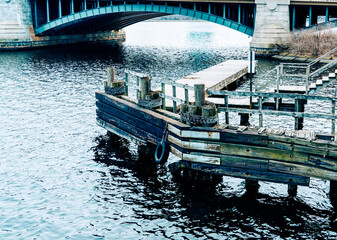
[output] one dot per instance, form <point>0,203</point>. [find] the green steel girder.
<point>135,13</point>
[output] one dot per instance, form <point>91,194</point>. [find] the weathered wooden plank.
<point>133,109</point>
<point>111,128</point>
<point>201,159</point>
<point>168,114</point>
<point>204,146</point>
<point>132,120</point>
<point>263,152</point>
<point>323,162</point>
<point>302,170</point>
<point>176,152</point>
<point>232,136</point>
<point>245,163</point>
<point>133,130</point>
<point>194,134</point>
<point>251,174</point>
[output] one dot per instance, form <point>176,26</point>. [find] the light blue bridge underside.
<point>119,16</point>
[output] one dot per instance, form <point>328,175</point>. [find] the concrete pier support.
<point>17,32</point>
<point>271,26</point>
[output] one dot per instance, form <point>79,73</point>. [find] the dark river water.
<point>61,177</point>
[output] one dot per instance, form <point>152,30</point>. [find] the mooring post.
<point>199,94</point>
<point>145,87</point>
<point>292,190</point>
<point>126,84</point>
<point>252,187</point>
<point>226,106</point>
<point>163,92</point>
<point>174,93</point>
<point>111,74</point>
<point>299,108</point>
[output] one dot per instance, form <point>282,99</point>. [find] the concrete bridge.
<point>29,23</point>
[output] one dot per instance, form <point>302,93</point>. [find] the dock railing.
<point>298,113</point>
<point>309,68</point>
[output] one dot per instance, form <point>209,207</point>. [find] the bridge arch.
<point>116,17</point>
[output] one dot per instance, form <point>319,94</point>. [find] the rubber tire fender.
<point>162,152</point>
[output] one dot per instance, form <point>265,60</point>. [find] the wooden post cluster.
<point>199,108</point>
<point>111,86</point>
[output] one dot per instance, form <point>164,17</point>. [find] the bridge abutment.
<point>17,31</point>
<point>271,26</point>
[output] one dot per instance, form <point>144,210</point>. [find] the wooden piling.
<point>111,74</point>
<point>145,87</point>
<point>244,119</point>
<point>199,94</point>
<point>292,190</point>
<point>299,107</point>
<point>252,187</point>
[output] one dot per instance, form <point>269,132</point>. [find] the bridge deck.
<point>215,78</point>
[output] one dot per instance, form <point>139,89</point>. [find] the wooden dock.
<point>217,77</point>
<point>256,154</point>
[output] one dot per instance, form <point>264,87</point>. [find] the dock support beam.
<point>299,108</point>
<point>244,119</point>
<point>252,187</point>
<point>292,190</point>
<point>333,193</point>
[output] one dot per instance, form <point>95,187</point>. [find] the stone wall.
<point>15,20</point>
<point>272,26</point>
<point>17,32</point>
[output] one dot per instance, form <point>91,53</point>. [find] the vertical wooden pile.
<point>113,87</point>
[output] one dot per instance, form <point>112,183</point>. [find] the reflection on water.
<point>63,177</point>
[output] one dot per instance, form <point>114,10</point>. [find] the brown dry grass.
<point>312,43</point>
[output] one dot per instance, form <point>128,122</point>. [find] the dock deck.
<point>215,78</point>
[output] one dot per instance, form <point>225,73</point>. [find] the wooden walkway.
<point>215,78</point>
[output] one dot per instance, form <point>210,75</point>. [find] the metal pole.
<point>327,14</point>
<point>60,8</point>
<point>72,6</point>
<point>224,10</point>
<point>85,4</point>
<point>35,13</point>
<point>209,8</point>
<point>47,5</point>
<point>310,16</point>
<point>239,14</point>
<point>250,77</point>
<point>294,18</point>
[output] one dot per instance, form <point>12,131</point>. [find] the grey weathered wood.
<point>192,109</point>
<point>199,94</point>
<point>226,111</point>
<point>186,96</point>
<point>163,96</point>
<point>145,87</point>
<point>260,114</point>
<point>302,170</point>
<point>127,84</point>
<point>333,120</point>
<point>111,74</point>
<point>251,174</point>
<point>174,91</point>
<point>208,111</point>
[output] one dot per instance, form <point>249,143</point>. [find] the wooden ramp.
<point>214,78</point>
